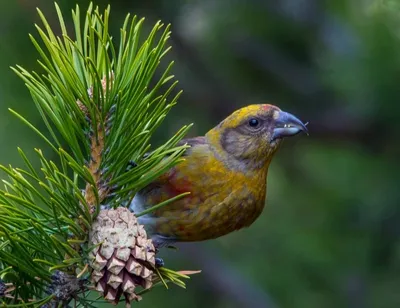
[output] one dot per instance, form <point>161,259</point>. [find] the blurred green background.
<point>329,236</point>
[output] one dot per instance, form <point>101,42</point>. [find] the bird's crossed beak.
<point>287,125</point>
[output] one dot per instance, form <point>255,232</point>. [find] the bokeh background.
<point>329,236</point>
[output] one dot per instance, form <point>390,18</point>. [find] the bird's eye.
<point>254,123</point>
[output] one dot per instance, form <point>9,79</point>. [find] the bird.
<point>225,172</point>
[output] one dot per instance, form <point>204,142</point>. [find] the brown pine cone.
<point>124,257</point>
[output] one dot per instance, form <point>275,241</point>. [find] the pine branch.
<point>100,112</point>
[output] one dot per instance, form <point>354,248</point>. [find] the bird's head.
<point>251,135</point>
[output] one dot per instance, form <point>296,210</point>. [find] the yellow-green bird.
<point>225,172</point>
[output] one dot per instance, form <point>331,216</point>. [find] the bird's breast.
<point>220,202</point>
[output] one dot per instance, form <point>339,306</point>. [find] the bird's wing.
<point>175,181</point>
<point>193,141</point>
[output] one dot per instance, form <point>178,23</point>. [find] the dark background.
<point>329,236</point>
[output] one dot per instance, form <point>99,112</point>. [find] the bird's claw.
<point>159,262</point>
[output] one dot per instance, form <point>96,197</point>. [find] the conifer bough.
<point>100,110</point>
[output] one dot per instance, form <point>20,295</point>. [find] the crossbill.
<point>225,172</point>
